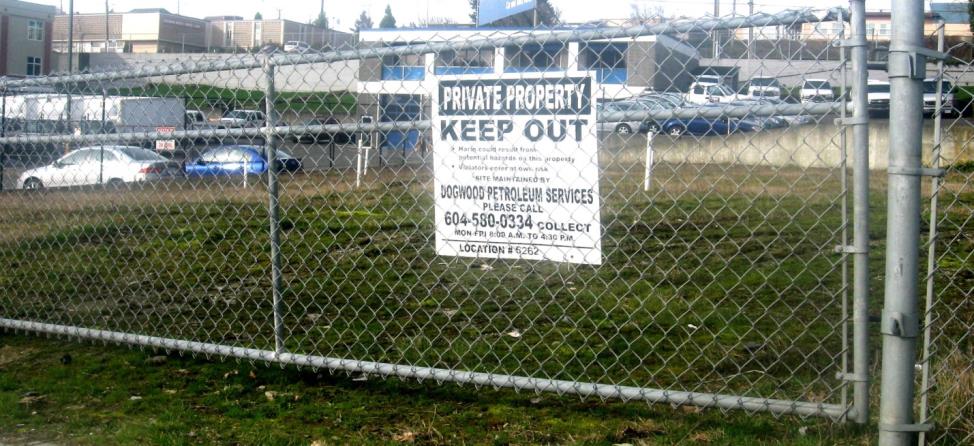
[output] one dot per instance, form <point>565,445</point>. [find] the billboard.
<point>491,11</point>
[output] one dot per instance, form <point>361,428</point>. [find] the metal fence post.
<point>899,321</point>
<point>270,147</point>
<point>3,133</point>
<point>932,239</point>
<point>860,220</point>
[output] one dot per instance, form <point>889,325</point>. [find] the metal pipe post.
<point>3,133</point>
<point>860,210</point>
<point>932,239</point>
<point>899,321</point>
<point>270,147</point>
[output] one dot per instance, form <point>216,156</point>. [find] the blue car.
<point>239,160</point>
<point>705,126</point>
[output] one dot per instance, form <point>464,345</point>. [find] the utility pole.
<point>750,30</point>
<point>716,33</point>
<point>106,26</point>
<point>70,63</point>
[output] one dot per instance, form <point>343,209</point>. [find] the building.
<point>152,30</point>
<point>25,38</point>
<point>395,87</point>
<point>230,33</point>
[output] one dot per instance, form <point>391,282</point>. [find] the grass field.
<point>721,279</point>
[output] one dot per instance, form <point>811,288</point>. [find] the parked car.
<point>816,90</point>
<point>877,95</point>
<point>760,122</point>
<point>702,126</point>
<point>243,119</point>
<point>763,87</point>
<point>196,120</point>
<point>296,46</point>
<point>625,127</point>
<point>34,153</point>
<point>946,98</point>
<point>325,137</point>
<point>711,79</point>
<point>234,160</point>
<point>710,93</point>
<point>790,119</point>
<point>109,165</point>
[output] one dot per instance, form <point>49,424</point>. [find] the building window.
<point>35,30</point>
<point>33,66</point>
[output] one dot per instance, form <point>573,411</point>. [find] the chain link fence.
<point>946,390</point>
<point>299,208</point>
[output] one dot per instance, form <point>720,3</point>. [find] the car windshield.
<point>764,82</point>
<point>720,90</point>
<point>878,88</point>
<point>236,114</point>
<point>139,154</point>
<point>818,85</point>
<point>930,87</point>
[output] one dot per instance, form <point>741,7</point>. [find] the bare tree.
<point>642,13</point>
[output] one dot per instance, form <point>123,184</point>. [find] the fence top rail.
<point>712,112</point>
<point>788,17</point>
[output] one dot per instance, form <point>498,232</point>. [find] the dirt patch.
<point>10,354</point>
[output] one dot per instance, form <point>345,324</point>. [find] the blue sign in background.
<point>493,10</point>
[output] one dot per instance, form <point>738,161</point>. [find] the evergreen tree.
<point>321,21</point>
<point>388,21</point>
<point>364,22</point>
<point>258,16</point>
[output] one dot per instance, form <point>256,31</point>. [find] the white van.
<point>816,90</point>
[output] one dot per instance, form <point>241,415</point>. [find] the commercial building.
<point>397,86</point>
<point>230,33</point>
<point>152,30</point>
<point>25,38</point>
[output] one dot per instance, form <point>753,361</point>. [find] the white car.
<point>763,87</point>
<point>243,118</point>
<point>296,46</point>
<point>705,93</point>
<point>877,94</point>
<point>109,165</point>
<point>816,90</point>
<point>946,97</point>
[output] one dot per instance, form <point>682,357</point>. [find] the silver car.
<point>110,165</point>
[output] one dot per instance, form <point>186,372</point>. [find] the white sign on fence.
<point>166,144</point>
<point>516,168</point>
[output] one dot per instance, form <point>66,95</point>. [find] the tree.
<point>321,21</point>
<point>970,13</point>
<point>258,16</point>
<point>647,14</point>
<point>388,21</point>
<point>475,8</point>
<point>547,16</point>
<point>364,22</point>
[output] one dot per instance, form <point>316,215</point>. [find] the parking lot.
<point>789,146</point>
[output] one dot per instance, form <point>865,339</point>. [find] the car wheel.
<point>33,184</point>
<point>653,128</point>
<point>115,184</point>
<point>676,131</point>
<point>623,129</point>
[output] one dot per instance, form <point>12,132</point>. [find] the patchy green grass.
<point>114,395</point>
<point>719,279</point>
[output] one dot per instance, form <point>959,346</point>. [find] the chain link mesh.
<point>946,392</point>
<point>719,285</point>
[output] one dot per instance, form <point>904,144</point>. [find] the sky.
<point>343,13</point>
